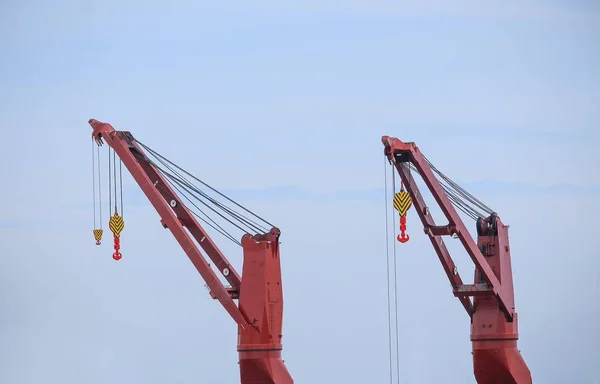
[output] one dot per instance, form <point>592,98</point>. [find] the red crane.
<point>494,321</point>
<point>258,292</point>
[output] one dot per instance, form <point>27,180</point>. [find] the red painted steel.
<point>261,301</point>
<point>494,322</point>
<point>259,315</point>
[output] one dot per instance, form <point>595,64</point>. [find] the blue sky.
<point>283,107</point>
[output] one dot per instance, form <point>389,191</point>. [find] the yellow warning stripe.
<point>98,234</point>
<point>402,202</point>
<point>116,224</point>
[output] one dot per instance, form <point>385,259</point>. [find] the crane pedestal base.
<point>263,367</point>
<point>499,363</point>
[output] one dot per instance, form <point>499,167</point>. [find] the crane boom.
<point>494,321</point>
<point>259,315</point>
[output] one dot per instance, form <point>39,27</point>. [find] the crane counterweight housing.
<point>494,321</point>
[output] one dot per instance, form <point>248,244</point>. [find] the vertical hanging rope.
<point>97,231</point>
<point>395,284</point>
<point>109,183</point>
<point>121,184</point>
<point>387,252</point>
<point>99,185</point>
<point>393,363</point>
<point>115,177</point>
<point>116,223</point>
<point>94,182</point>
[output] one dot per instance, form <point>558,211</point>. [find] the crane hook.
<point>117,255</point>
<point>403,237</point>
<point>98,236</point>
<point>116,225</point>
<point>402,203</point>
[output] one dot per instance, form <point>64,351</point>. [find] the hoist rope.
<point>387,254</point>
<point>214,225</point>
<point>109,183</point>
<point>396,284</point>
<point>458,196</point>
<point>99,185</point>
<point>394,363</point>
<point>188,186</point>
<point>94,182</point>
<point>240,217</point>
<point>115,174</point>
<point>97,230</point>
<point>175,176</point>
<point>121,184</point>
<point>461,190</point>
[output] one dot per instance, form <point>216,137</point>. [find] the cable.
<point>94,183</point>
<point>216,226</point>
<point>208,206</point>
<point>189,186</point>
<point>252,225</point>
<point>387,251</point>
<point>115,175</point>
<point>109,184</point>
<point>202,182</point>
<point>191,192</point>
<point>460,190</point>
<point>99,186</point>
<point>249,222</point>
<point>396,284</point>
<point>457,195</point>
<point>121,184</point>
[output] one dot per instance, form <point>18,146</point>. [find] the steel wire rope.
<point>222,231</point>
<point>115,176</point>
<point>387,252</point>
<point>461,190</point>
<point>173,178</point>
<point>189,186</point>
<point>109,186</point>
<point>252,225</point>
<point>99,185</point>
<point>240,217</point>
<point>121,184</point>
<point>459,203</point>
<point>453,193</point>
<point>203,183</point>
<point>94,182</point>
<point>190,190</point>
<point>216,226</point>
<point>395,284</point>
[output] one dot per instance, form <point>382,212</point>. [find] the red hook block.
<point>117,255</point>
<point>403,237</point>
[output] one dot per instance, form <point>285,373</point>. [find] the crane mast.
<point>494,321</point>
<point>258,291</point>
